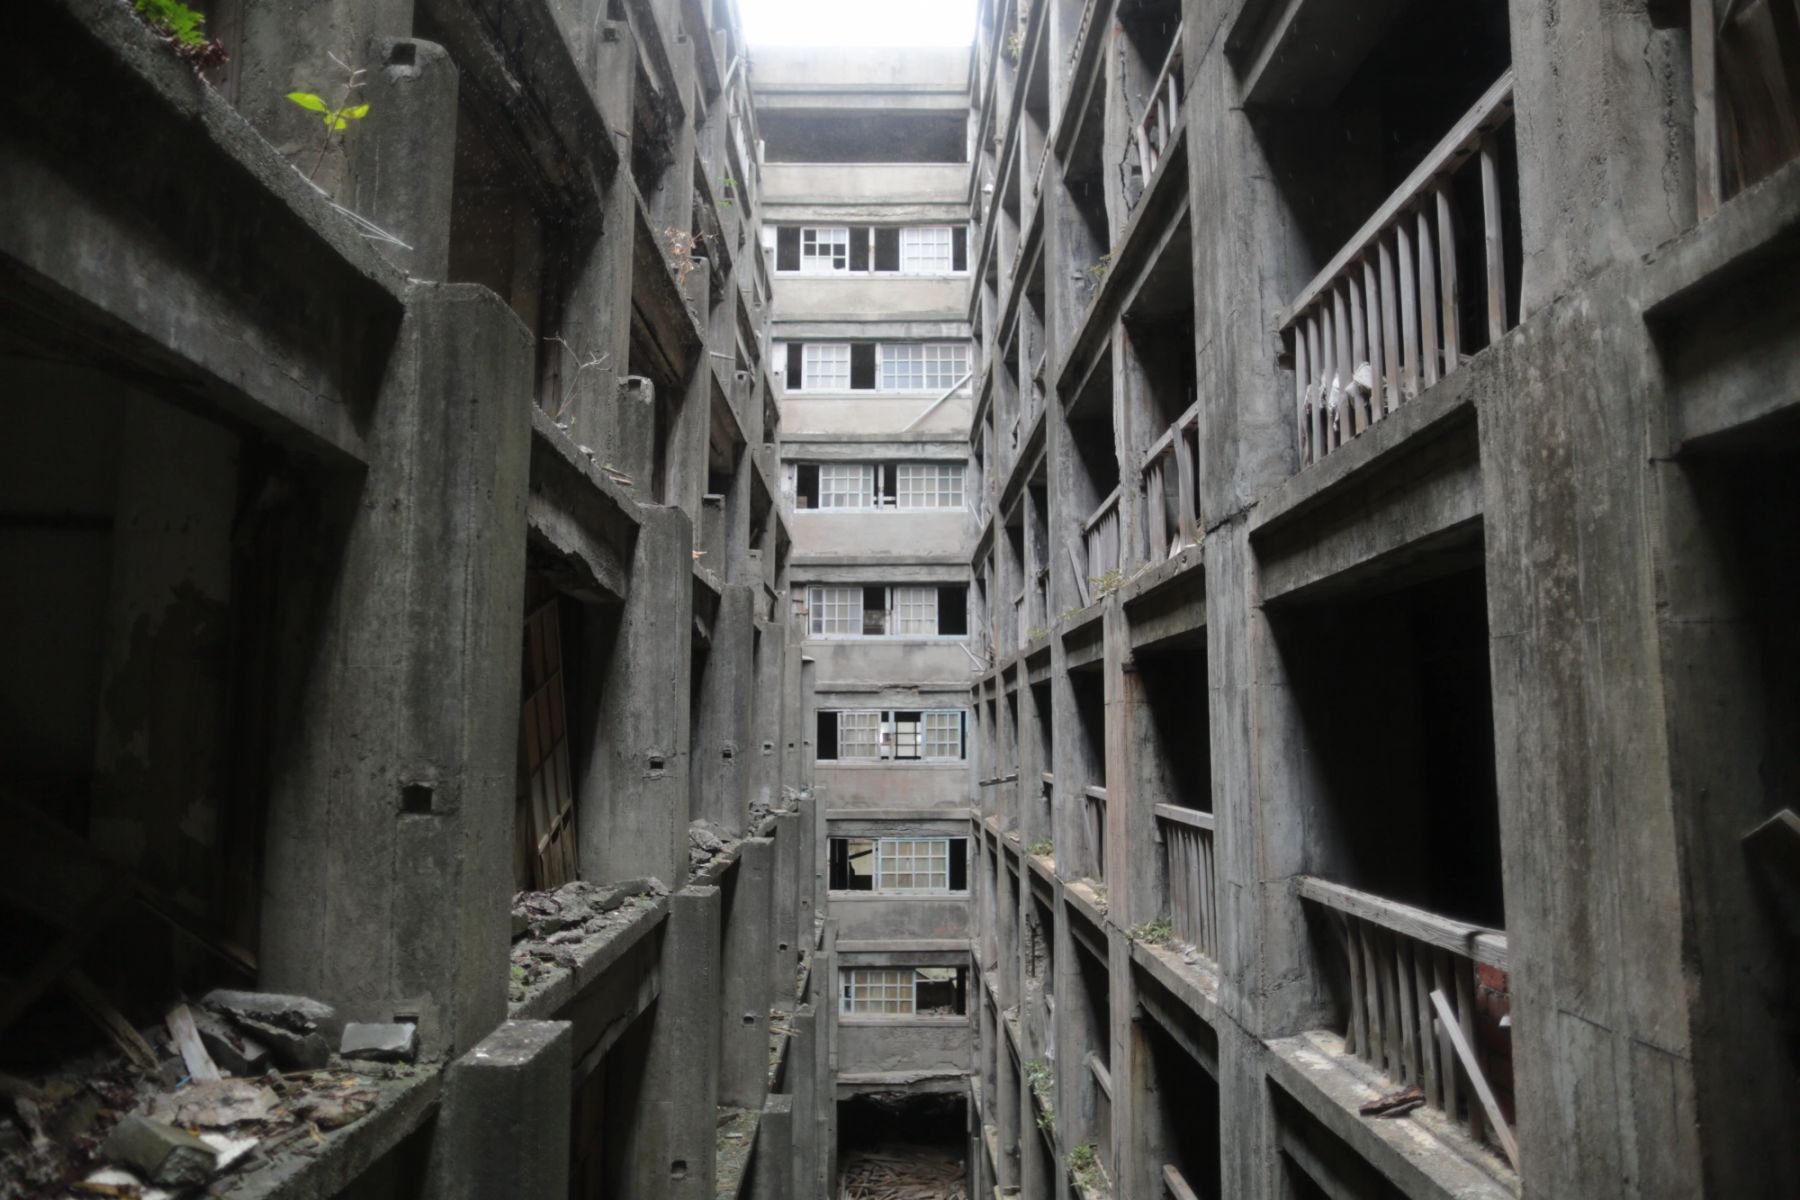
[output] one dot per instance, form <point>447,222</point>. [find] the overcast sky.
<point>858,22</point>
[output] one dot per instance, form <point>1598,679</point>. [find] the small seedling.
<point>1155,933</point>
<point>1101,266</point>
<point>1036,633</point>
<point>335,119</point>
<point>1014,43</point>
<point>1107,584</point>
<point>1084,1164</point>
<point>730,197</point>
<point>1042,849</point>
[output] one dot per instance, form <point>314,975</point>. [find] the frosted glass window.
<point>929,485</point>
<point>846,485</point>
<point>859,735</point>
<point>943,735</point>
<point>916,611</point>
<point>922,366</point>
<point>825,366</point>
<point>834,611</point>
<point>913,864</point>
<point>926,251</point>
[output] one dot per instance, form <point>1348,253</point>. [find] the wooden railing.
<point>1094,822</point>
<point>1175,1185</point>
<point>1162,111</point>
<point>1171,500</point>
<point>1398,956</point>
<point>1382,321</point>
<point>1102,531</point>
<point>1187,836</point>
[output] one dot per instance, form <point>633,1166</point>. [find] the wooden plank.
<point>1442,963</point>
<point>66,951</point>
<point>1315,424</point>
<point>1493,109</point>
<point>1358,1035</point>
<point>1409,311</point>
<point>1465,1053</point>
<point>1409,1016</point>
<point>1375,1047</point>
<point>1471,941</point>
<point>1709,173</point>
<point>1428,312</point>
<point>1184,816</point>
<point>1187,521</point>
<point>1390,334</point>
<point>1428,1046</point>
<point>1359,346</point>
<point>99,1009</point>
<point>187,1040</point>
<point>1493,239</point>
<point>1449,295</point>
<point>1465,1014</point>
<point>1178,1187</point>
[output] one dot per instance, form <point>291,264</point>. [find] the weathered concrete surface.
<point>503,1126</point>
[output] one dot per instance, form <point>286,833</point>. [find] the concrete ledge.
<point>1194,984</point>
<point>1423,1153</point>
<point>326,1170</point>
<point>594,956</point>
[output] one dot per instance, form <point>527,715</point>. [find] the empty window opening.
<point>903,991</point>
<point>900,611</point>
<point>899,864</point>
<point>1182,1121</point>
<point>862,249</point>
<point>902,1143</point>
<point>544,842</point>
<point>882,136</point>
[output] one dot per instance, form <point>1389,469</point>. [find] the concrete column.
<point>809,876</point>
<point>722,720</point>
<point>797,729</point>
<point>773,714</point>
<point>784,958</point>
<point>1130,820</point>
<point>825,1060</point>
<point>503,1125</point>
<point>809,720</point>
<point>403,158</point>
<point>802,1074</point>
<point>772,1169</point>
<point>743,1013</point>
<point>686,455</point>
<point>682,1066</point>
<point>395,785</point>
<point>633,803</point>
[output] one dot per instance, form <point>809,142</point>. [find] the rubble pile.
<point>705,846</point>
<point>220,1089</point>
<point>549,927</point>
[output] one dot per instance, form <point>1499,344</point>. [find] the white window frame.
<point>878,991</point>
<point>913,611</point>
<point>820,358</point>
<point>939,729</point>
<point>931,238</point>
<point>944,733</point>
<point>929,485</point>
<point>833,478</point>
<point>860,720</point>
<point>824,249</point>
<point>898,857</point>
<point>897,360</point>
<point>833,611</point>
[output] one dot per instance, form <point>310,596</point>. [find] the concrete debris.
<point>337,1108</point>
<point>299,1031</point>
<point>397,1042</point>
<point>213,1104</point>
<point>233,1051</point>
<point>160,1153</point>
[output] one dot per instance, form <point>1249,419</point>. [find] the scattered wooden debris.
<point>1395,1103</point>
<point>901,1177</point>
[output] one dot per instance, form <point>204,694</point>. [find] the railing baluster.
<point>1428,314</point>
<point>1442,964</point>
<point>1316,400</point>
<point>1493,238</point>
<point>1185,492</point>
<point>1358,1037</point>
<point>1465,1017</point>
<point>1409,310</point>
<point>1452,300</point>
<point>1409,1017</point>
<point>1427,1040</point>
<point>1302,419</point>
<point>1377,1045</point>
<point>1389,398</point>
<point>1342,362</point>
<point>1359,349</point>
<point>1372,317</point>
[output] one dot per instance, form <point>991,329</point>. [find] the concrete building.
<point>1192,600</point>
<point>394,611</point>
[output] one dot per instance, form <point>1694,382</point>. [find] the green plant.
<point>336,120</point>
<point>1107,584</point>
<point>1101,266</point>
<point>730,196</point>
<point>1040,849</point>
<point>1015,42</point>
<point>1038,1075</point>
<point>1066,613</point>
<point>1036,633</point>
<point>1155,932</point>
<point>180,26</point>
<point>1084,1164</point>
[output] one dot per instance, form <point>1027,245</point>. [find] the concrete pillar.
<point>722,720</point>
<point>503,1125</point>
<point>633,803</point>
<point>1130,819</point>
<point>809,721</point>
<point>403,159</point>
<point>682,1066</point>
<point>395,786</point>
<point>687,452</point>
<point>769,724</point>
<point>743,1013</point>
<point>809,876</point>
<point>825,1059</point>
<point>802,1075</point>
<point>784,958</point>
<point>772,1169</point>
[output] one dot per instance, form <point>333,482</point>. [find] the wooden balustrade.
<point>1175,1185</point>
<point>1094,821</point>
<point>1398,955</point>
<point>1103,538</point>
<point>1171,497</point>
<point>1187,837</point>
<point>1382,321</point>
<point>1162,110</point>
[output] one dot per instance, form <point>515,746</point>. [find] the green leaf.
<point>357,113</point>
<point>309,102</point>
<point>337,122</point>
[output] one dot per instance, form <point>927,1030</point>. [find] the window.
<point>915,611</point>
<point>930,485</point>
<point>834,611</point>
<point>824,250</point>
<point>921,366</point>
<point>859,734</point>
<point>825,366</point>
<point>869,735</point>
<point>846,485</point>
<point>943,735</point>
<point>899,864</point>
<point>925,251</point>
<point>889,991</point>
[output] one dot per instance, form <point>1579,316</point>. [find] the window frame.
<point>938,483</point>
<point>886,353</point>
<point>809,366</point>
<point>889,733</point>
<point>949,250</point>
<point>896,986</point>
<point>821,605</point>
<point>837,249</point>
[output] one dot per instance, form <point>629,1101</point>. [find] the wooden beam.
<point>1448,1022</point>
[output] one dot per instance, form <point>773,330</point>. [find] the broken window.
<point>927,610</point>
<point>899,864</point>
<point>824,250</point>
<point>890,991</point>
<point>871,735</point>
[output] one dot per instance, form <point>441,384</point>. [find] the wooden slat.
<point>1172,1180</point>
<point>1493,239</point>
<point>1359,345</point>
<point>1442,964</point>
<point>1358,1036</point>
<point>1465,1053</point>
<point>1182,816</point>
<point>1409,311</point>
<point>1390,332</point>
<point>1187,520</point>
<point>1465,1015</point>
<point>1428,313</point>
<point>1448,292</point>
<point>1376,1046</point>
<point>1428,1046</point>
<point>1315,422</point>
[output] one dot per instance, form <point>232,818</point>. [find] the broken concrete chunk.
<point>216,1103</point>
<point>235,1053</point>
<point>299,1031</point>
<point>160,1153</point>
<point>398,1042</point>
<point>332,1110</point>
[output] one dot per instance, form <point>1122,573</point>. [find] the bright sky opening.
<point>858,22</point>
